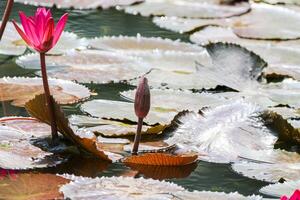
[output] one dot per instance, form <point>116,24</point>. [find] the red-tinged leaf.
<point>36,108</point>
<point>162,159</point>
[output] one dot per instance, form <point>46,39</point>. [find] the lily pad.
<point>160,112</point>
<point>191,9</point>
<point>82,138</point>
<point>282,56</point>
<point>17,128</point>
<point>127,188</point>
<point>295,2</point>
<point>16,150</point>
<point>162,159</point>
<point>111,128</point>
<point>246,70</point>
<point>271,166</point>
<point>163,172</point>
<point>65,92</point>
<point>88,66</point>
<point>263,22</point>
<point>79,4</point>
<point>268,22</point>
<point>32,186</point>
<point>11,43</point>
<point>142,45</point>
<point>286,122</point>
<point>224,133</point>
<point>280,189</point>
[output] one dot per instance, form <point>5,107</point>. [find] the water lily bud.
<point>142,99</point>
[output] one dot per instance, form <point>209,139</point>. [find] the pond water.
<point>203,176</point>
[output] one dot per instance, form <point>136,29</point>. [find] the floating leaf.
<point>134,189</point>
<point>284,121</point>
<point>191,9</point>
<point>285,92</point>
<point>11,42</point>
<point>195,195</point>
<point>16,151</point>
<point>270,166</point>
<point>296,2</point>
<point>79,4</point>
<point>282,56</point>
<point>23,155</point>
<point>65,92</point>
<point>118,188</point>
<point>89,66</point>
<point>32,186</point>
<point>263,22</point>
<point>162,159</point>
<point>22,128</point>
<point>87,141</point>
<point>160,111</point>
<point>67,42</point>
<point>268,22</point>
<point>223,133</point>
<point>163,100</point>
<point>110,128</point>
<point>142,45</point>
<point>280,189</point>
<point>186,25</point>
<point>163,172</point>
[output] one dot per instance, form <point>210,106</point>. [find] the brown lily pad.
<point>36,108</point>
<point>32,186</point>
<point>65,92</point>
<point>162,159</point>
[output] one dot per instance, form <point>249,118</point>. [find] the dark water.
<point>203,176</point>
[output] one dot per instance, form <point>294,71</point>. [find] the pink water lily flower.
<point>40,31</point>
<point>295,196</point>
<point>41,34</point>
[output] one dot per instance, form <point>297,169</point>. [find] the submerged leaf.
<point>162,159</point>
<point>192,9</point>
<point>32,186</point>
<point>36,108</point>
<point>65,92</point>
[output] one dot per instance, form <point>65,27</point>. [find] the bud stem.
<point>49,101</point>
<point>8,8</point>
<point>137,138</point>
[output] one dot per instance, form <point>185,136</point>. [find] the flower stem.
<point>49,100</point>
<point>137,137</point>
<point>9,6</point>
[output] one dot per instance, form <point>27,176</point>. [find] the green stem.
<point>137,138</point>
<point>8,9</point>
<point>49,100</point>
